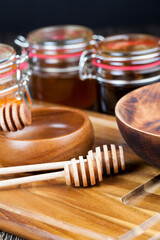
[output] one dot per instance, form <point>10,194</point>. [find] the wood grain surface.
<point>51,210</point>
<point>138,117</point>
<point>45,140</point>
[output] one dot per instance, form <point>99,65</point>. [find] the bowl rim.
<point>118,107</point>
<point>53,108</point>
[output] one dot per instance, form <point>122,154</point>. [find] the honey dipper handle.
<point>29,179</point>
<point>32,167</point>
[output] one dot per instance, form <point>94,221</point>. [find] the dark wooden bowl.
<point>138,118</point>
<point>56,134</point>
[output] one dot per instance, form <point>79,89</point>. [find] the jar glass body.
<point>118,83</point>
<point>121,64</point>
<point>55,76</point>
<point>8,96</point>
<point>61,87</point>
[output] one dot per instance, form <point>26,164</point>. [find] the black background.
<point>22,16</point>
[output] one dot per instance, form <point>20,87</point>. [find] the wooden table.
<point>51,210</point>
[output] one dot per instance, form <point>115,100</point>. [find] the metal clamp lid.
<point>22,78</point>
<point>32,52</point>
<point>24,44</point>
<point>85,63</point>
<point>88,68</point>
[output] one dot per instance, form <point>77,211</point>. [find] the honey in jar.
<point>54,62</point>
<point>13,77</point>
<point>120,64</point>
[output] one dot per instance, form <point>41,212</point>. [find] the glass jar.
<point>120,64</point>
<point>54,61</point>
<point>14,77</point>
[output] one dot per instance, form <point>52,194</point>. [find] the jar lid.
<point>7,54</point>
<point>9,61</point>
<point>128,45</point>
<point>60,37</point>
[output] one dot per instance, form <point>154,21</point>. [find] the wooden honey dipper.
<point>113,159</point>
<point>80,172</point>
<point>14,117</point>
<point>84,172</point>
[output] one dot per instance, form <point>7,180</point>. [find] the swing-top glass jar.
<point>120,64</point>
<point>14,77</point>
<point>54,61</point>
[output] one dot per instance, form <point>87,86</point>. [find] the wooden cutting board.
<point>51,210</point>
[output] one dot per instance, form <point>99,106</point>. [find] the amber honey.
<point>122,63</point>
<point>11,91</point>
<point>6,99</point>
<point>66,91</point>
<point>54,59</point>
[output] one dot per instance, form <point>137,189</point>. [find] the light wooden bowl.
<point>138,118</point>
<point>56,134</point>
